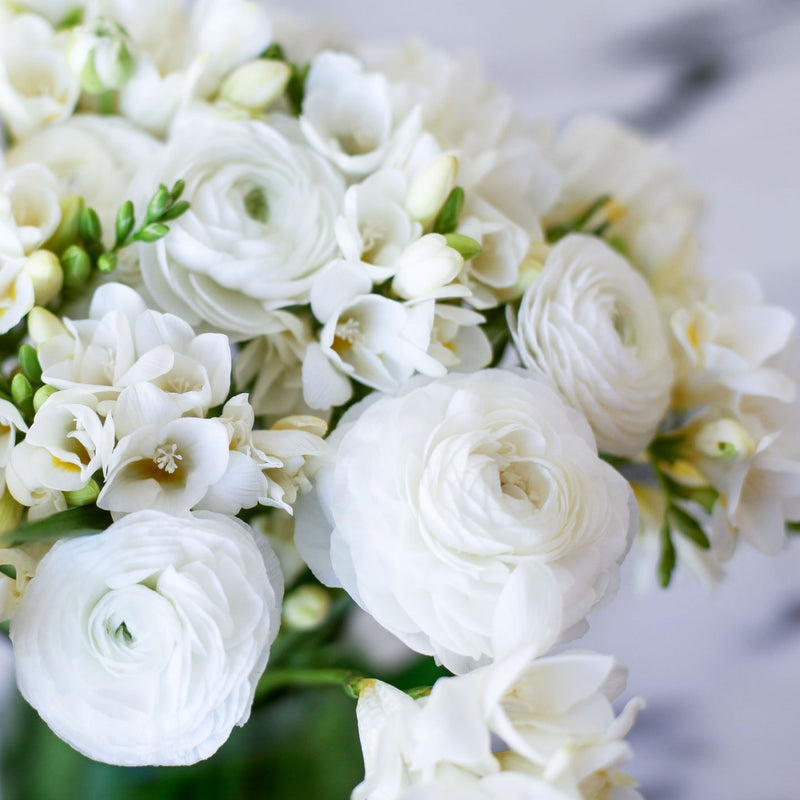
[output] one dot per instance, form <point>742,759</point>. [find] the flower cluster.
<point>223,234</point>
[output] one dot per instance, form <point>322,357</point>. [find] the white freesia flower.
<point>165,623</point>
<point>457,340</point>
<point>164,461</point>
<point>28,489</point>
<point>274,364</point>
<point>100,54</point>
<point>36,84</point>
<point>183,54</point>
<point>123,343</point>
<point>24,560</point>
<point>17,295</point>
<point>553,716</point>
<point>729,341</point>
<point>373,339</point>
<point>375,227</point>
<point>11,421</point>
<point>259,229</point>
<point>426,268</point>
<point>592,325</point>
<point>349,116</point>
<point>92,156</point>
<point>650,209</point>
<point>34,205</point>
<point>497,524</point>
<point>66,444</point>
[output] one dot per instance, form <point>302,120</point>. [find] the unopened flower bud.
<point>425,266</point>
<point>69,227</point>
<point>725,439</point>
<point>302,422</point>
<point>306,608</point>
<point>82,497</point>
<point>685,473</point>
<point>44,325</point>
<point>77,266</point>
<point>43,394</point>
<point>10,512</point>
<point>256,85</point>
<point>100,54</point>
<point>431,188</point>
<point>44,270</point>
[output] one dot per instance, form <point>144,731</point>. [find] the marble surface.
<point>720,80</point>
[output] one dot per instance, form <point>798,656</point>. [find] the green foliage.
<point>69,524</point>
<point>447,219</point>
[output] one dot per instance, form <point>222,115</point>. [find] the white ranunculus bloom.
<point>68,442</point>
<point>729,342</point>
<point>164,626</point>
<point>650,210</point>
<point>259,229</point>
<point>468,516</point>
<point>349,116</point>
<point>123,343</point>
<point>33,204</point>
<point>592,325</point>
<point>36,84</point>
<point>92,156</point>
<point>553,717</point>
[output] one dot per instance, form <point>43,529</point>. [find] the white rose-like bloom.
<point>468,516</point>
<point>592,325</point>
<point>260,226</point>
<point>143,644</point>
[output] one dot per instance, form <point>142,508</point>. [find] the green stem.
<point>274,679</point>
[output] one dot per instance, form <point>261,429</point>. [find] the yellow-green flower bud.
<point>43,394</point>
<point>725,439</point>
<point>10,512</point>
<point>77,266</point>
<point>306,608</point>
<point>46,274</point>
<point>256,85</point>
<point>83,497</point>
<point>69,227</point>
<point>43,325</point>
<point>100,54</point>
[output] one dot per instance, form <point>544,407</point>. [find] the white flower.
<point>348,115</point>
<point>26,487</point>
<point>592,325</point>
<point>373,339</point>
<point>11,421</point>
<point>143,644</point>
<point>256,85</point>
<point>259,229</point>
<point>426,267</point>
<point>553,717</point>
<point>99,53</point>
<point>123,343</point>
<point>165,462</point>
<point>182,56</point>
<point>24,560</point>
<point>651,210</point>
<point>92,156</point>
<point>34,205</point>
<point>17,294</point>
<point>457,341</point>
<point>729,341</point>
<point>468,516</point>
<point>36,85</point>
<point>66,444</point>
<point>275,364</point>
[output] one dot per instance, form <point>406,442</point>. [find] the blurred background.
<point>721,81</point>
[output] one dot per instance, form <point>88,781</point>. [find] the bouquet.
<point>298,332</point>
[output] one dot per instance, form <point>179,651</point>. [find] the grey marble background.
<point>721,80</point>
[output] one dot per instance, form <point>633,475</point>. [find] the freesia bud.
<point>431,188</point>
<point>46,274</point>
<point>10,513</point>
<point>44,325</point>
<point>425,266</point>
<point>256,85</point>
<point>725,439</point>
<point>43,394</point>
<point>306,608</point>
<point>302,422</point>
<point>82,497</point>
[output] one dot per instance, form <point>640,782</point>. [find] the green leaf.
<point>152,233</point>
<point>667,560</point>
<point>705,496</point>
<point>91,230</point>
<point>69,524</point>
<point>688,526</point>
<point>9,570</point>
<point>792,527</point>
<point>465,245</point>
<point>29,364</point>
<point>126,219</point>
<point>296,87</point>
<point>590,211</point>
<point>447,219</point>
